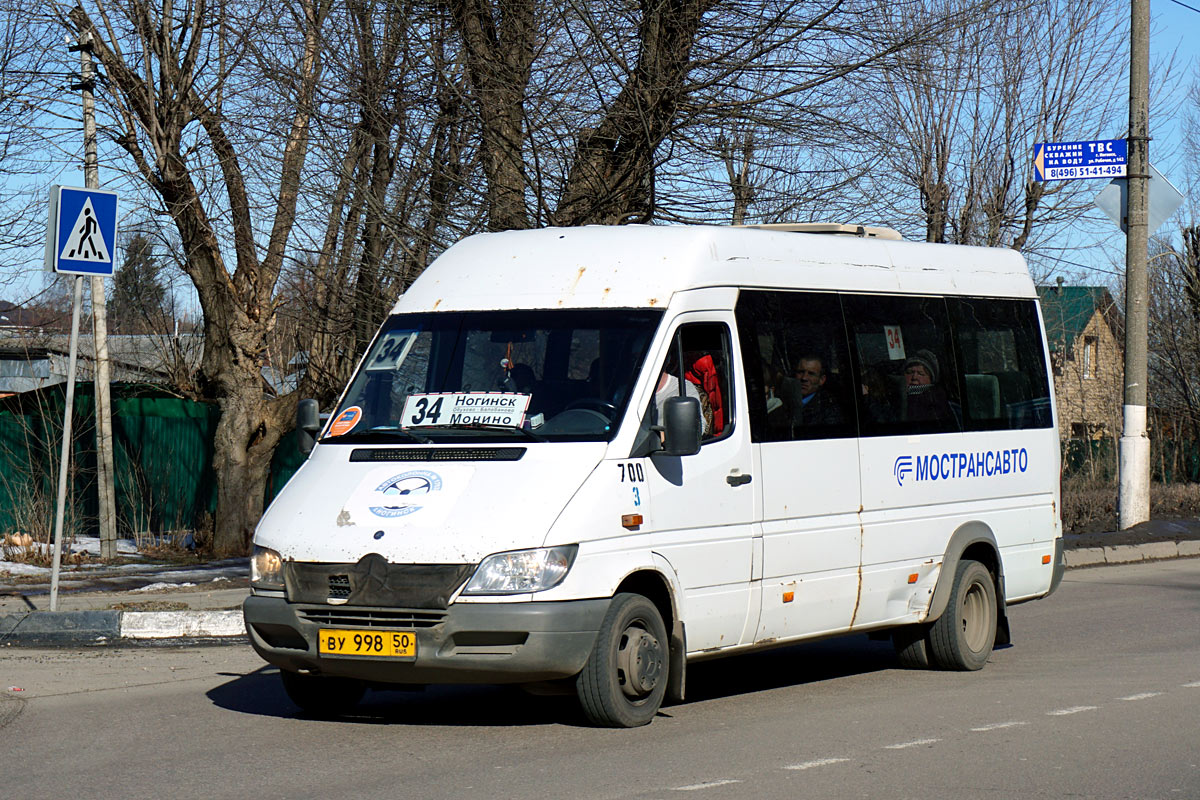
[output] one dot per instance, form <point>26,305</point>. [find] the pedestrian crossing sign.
<point>81,237</point>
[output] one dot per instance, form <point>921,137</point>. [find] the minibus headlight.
<point>522,571</point>
<point>266,568</point>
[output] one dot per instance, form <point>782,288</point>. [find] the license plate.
<point>391,644</point>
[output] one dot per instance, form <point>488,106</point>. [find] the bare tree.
<point>24,65</point>
<point>174,76</point>
<point>959,117</point>
<point>628,113</point>
<point>1175,331</point>
<point>394,135</point>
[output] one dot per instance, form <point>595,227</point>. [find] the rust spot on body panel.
<point>858,593</point>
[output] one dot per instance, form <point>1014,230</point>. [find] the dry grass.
<point>1175,500</point>
<point>1091,506</point>
<point>24,548</point>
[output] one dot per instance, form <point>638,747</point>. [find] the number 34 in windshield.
<point>465,408</point>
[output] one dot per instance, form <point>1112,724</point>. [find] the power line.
<point>1185,5</point>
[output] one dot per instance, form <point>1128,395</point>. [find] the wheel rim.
<point>639,662</point>
<point>975,618</point>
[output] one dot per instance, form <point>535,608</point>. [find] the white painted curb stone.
<point>175,624</point>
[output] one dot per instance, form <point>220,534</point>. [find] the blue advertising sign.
<point>1063,161</point>
<point>81,238</point>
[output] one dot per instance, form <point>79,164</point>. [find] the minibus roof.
<point>642,266</point>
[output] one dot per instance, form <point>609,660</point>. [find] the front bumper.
<point>470,643</point>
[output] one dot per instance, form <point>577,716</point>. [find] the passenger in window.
<point>924,399</point>
<point>877,400</point>
<point>778,419</point>
<point>805,393</point>
<point>703,374</point>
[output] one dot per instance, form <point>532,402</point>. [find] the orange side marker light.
<point>789,597</point>
<point>1045,559</point>
<point>913,578</point>
<point>631,521</point>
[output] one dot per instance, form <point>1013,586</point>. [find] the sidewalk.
<point>163,603</point>
<point>154,602</point>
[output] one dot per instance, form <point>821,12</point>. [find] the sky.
<point>1175,26</point>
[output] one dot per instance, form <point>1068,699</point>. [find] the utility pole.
<point>1134,499</point>
<point>104,446</point>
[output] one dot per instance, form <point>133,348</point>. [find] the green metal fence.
<point>162,460</point>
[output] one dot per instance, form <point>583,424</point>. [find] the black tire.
<point>625,677</point>
<point>321,696</point>
<point>912,646</point>
<point>962,638</point>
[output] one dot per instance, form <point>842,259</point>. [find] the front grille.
<point>339,587</point>
<point>438,454</point>
<point>375,583</point>
<point>372,617</point>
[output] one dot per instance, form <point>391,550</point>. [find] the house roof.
<point>149,353</point>
<point>1067,310</point>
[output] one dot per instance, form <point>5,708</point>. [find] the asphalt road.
<point>1098,697</point>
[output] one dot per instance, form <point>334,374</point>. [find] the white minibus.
<point>586,458</point>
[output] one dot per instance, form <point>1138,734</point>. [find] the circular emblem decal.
<point>405,493</point>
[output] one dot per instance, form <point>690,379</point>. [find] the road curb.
<point>1131,553</point>
<point>60,628</point>
<point>83,628</point>
<point>176,624</point>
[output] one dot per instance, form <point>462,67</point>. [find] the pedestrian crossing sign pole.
<point>81,237</point>
<point>80,240</point>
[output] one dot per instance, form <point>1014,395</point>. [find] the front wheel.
<point>322,696</point>
<point>625,677</point>
<point>963,636</point>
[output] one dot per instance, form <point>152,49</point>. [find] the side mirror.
<point>681,427</point>
<point>308,424</point>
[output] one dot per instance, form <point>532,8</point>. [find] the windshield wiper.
<point>376,435</point>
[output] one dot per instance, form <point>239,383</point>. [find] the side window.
<point>797,365</point>
<point>908,375</point>
<point>1003,364</point>
<point>705,375</point>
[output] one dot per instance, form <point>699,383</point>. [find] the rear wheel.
<point>625,677</point>
<point>963,636</point>
<point>322,696</point>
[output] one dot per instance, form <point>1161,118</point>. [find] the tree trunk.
<point>243,467</point>
<point>499,56</point>
<point>612,174</point>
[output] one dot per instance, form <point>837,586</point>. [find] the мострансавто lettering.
<point>986,463</point>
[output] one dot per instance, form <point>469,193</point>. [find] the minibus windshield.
<point>540,375</point>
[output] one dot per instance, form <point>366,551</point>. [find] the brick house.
<point>1085,335</point>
